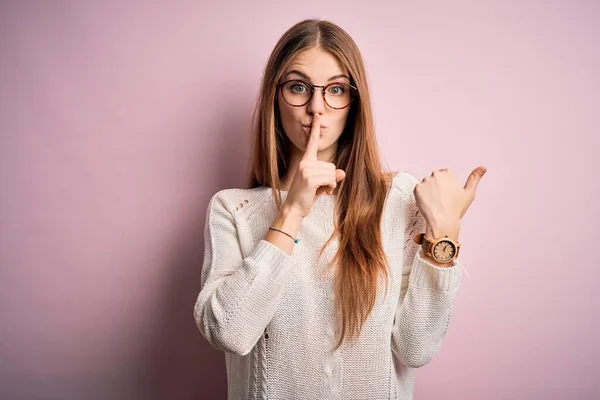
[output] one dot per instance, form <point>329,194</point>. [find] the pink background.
<point>119,120</point>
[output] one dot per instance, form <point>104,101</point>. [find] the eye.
<point>337,90</point>
<point>298,87</point>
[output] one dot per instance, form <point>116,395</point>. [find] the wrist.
<point>437,230</point>
<point>287,222</point>
<point>288,219</point>
<point>289,212</point>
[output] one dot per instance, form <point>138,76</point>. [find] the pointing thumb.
<point>474,178</point>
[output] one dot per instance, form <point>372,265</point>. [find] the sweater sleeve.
<point>238,296</point>
<point>426,296</point>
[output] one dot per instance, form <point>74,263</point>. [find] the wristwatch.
<point>443,249</point>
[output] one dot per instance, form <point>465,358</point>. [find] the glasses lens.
<point>298,93</point>
<point>338,95</point>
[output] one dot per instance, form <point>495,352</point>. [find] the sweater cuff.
<point>426,275</point>
<point>268,259</point>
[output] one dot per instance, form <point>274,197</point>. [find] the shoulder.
<point>402,198</point>
<point>234,200</point>
<point>403,183</point>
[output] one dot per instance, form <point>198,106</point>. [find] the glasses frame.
<point>354,92</point>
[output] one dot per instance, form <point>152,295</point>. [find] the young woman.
<point>314,283</point>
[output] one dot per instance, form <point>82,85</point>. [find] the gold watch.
<point>443,249</point>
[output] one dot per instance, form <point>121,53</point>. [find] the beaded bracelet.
<point>286,234</point>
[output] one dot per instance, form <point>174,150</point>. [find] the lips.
<point>310,126</point>
<point>307,128</point>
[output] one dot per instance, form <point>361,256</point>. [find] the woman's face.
<point>317,67</point>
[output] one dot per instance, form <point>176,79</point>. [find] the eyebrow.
<point>302,74</point>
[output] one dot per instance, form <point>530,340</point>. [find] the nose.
<point>316,105</point>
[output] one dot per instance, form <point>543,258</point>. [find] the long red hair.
<point>361,195</point>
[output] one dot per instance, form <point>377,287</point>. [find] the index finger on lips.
<point>312,147</point>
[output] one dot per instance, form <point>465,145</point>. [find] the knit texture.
<point>274,314</point>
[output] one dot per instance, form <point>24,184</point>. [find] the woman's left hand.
<point>443,201</point>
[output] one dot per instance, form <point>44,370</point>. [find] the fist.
<point>443,200</point>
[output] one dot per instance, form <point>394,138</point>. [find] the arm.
<point>238,296</point>
<point>426,296</point>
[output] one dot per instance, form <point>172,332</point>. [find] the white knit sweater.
<point>273,314</point>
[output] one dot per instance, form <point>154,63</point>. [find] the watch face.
<point>444,250</point>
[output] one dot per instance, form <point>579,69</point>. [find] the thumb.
<point>339,175</point>
<point>474,178</point>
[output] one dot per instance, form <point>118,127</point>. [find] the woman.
<point>313,283</point>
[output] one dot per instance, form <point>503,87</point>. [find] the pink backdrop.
<point>119,120</point>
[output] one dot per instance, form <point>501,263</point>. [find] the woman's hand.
<point>313,177</point>
<point>443,201</point>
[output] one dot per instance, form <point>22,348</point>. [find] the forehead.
<point>318,64</point>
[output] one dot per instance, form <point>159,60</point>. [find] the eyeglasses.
<point>298,93</point>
